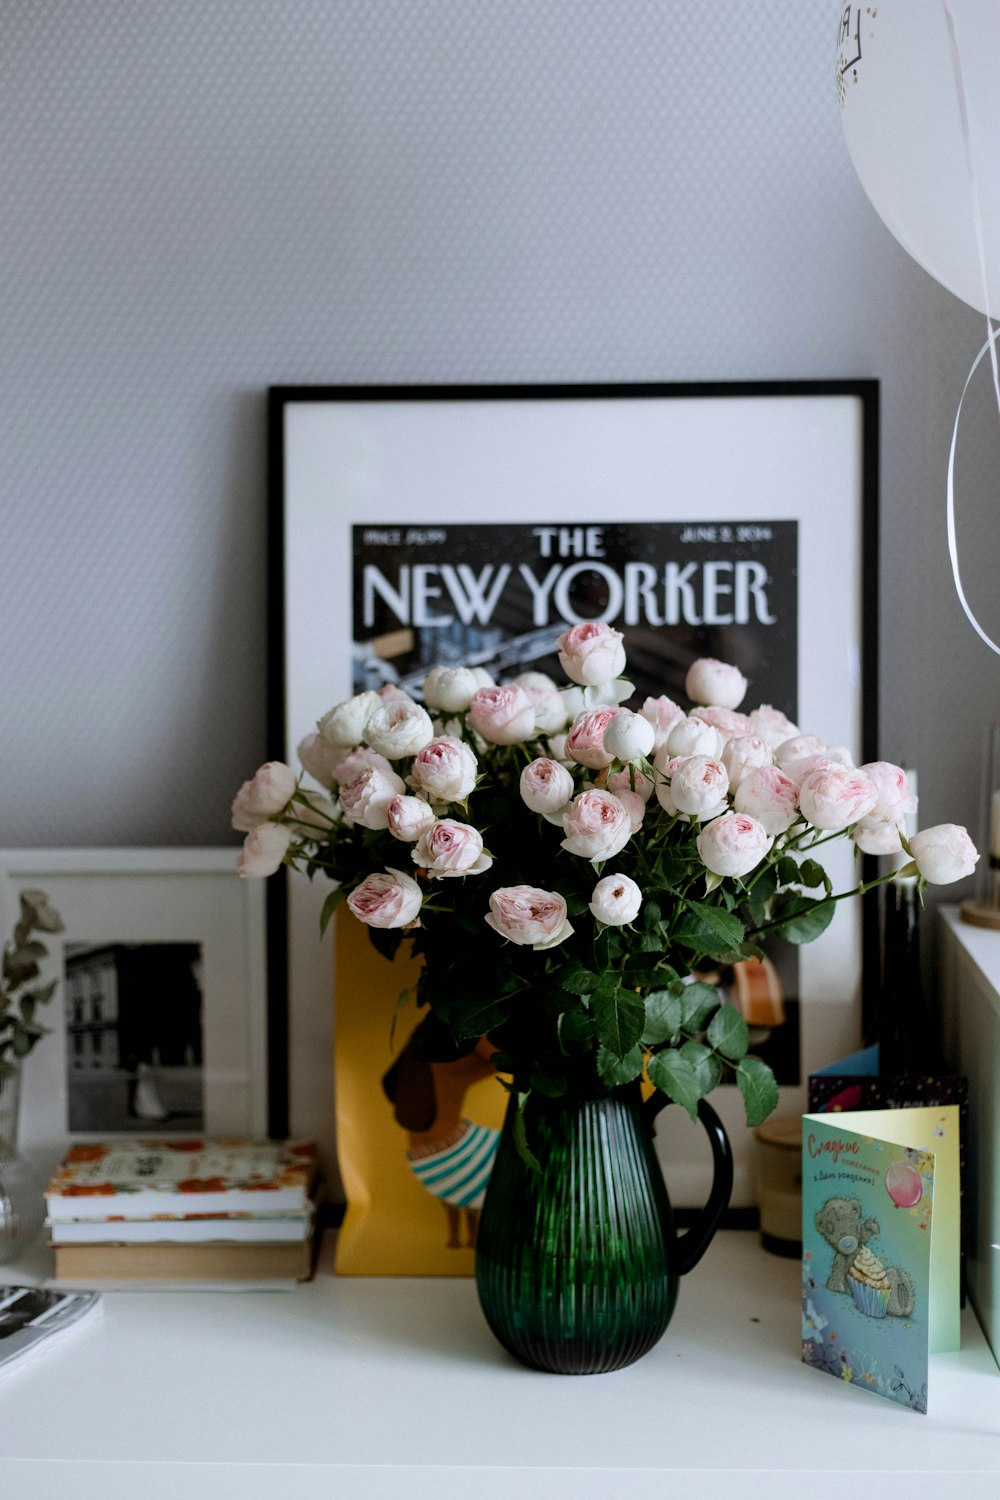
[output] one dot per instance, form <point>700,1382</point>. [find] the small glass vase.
<point>22,1191</point>
<point>577,1264</point>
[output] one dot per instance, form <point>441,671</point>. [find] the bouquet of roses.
<point>567,868</point>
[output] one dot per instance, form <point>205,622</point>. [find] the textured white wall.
<point>202,198</point>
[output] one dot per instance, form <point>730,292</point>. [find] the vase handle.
<point>692,1245</point>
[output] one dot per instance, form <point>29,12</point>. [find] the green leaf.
<point>330,905</point>
<point>727,1032</point>
<point>580,981</point>
<point>698,1002</point>
<point>664,1015</point>
<point>651,915</point>
<point>707,1067</point>
<point>619,1017</point>
<point>42,996</point>
<point>674,1076</point>
<point>474,1015</point>
<point>787,870</point>
<point>712,882</point>
<point>404,996</point>
<point>614,1070</point>
<point>812,873</point>
<point>759,1090</point>
<point>548,1084</point>
<point>521,1138</point>
<point>709,929</point>
<point>803,920</point>
<point>574,1026</point>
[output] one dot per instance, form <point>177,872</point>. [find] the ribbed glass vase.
<point>577,1264</point>
<point>22,1201</point>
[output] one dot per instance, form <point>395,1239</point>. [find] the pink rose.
<point>261,799</point>
<point>833,798</point>
<point>746,753</point>
<point>663,713</point>
<point>367,799</point>
<point>528,916</point>
<point>798,747</point>
<point>591,653</point>
<point>895,800</point>
<point>407,818</point>
<point>448,848</point>
<point>585,741</point>
<point>771,725</point>
<point>597,826</point>
<point>629,736</point>
<point>695,737</point>
<point>357,761</point>
<point>733,844</point>
<point>387,899</point>
<point>768,795</point>
<point>635,807</point>
<point>320,759</point>
<point>944,853</point>
<point>631,780</point>
<point>502,715</point>
<point>800,770</point>
<point>399,729</point>
<point>264,850</point>
<point>699,787</point>
<point>616,900</point>
<point>715,682</point>
<point>545,786</point>
<point>446,769</point>
<point>668,766</point>
<point>727,721</point>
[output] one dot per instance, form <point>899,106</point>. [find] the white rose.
<point>634,806</point>
<point>260,800</point>
<point>668,767</point>
<point>386,899</point>
<point>699,787</point>
<point>319,759</point>
<point>833,798</point>
<point>345,722</point>
<point>895,799</point>
<point>357,761</point>
<point>264,850</point>
<point>450,689</point>
<point>798,747</point>
<point>768,795</point>
<point>591,653</point>
<point>597,826</point>
<point>366,800</point>
<point>631,780</point>
<point>408,817</point>
<point>445,768</point>
<point>772,725</point>
<point>528,916</point>
<point>746,753</point>
<point>944,853</point>
<point>715,682</point>
<point>733,845</point>
<point>695,737</point>
<point>545,786</point>
<point>399,729</point>
<point>551,711</point>
<point>448,849</point>
<point>663,713</point>
<point>616,900</point>
<point>629,736</point>
<point>883,838</point>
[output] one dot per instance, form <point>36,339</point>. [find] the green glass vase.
<point>578,1263</point>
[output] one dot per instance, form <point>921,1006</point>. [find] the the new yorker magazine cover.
<point>866,1239</point>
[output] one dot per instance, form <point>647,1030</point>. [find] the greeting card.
<point>880,1239</point>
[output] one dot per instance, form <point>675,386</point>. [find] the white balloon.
<point>899,98</point>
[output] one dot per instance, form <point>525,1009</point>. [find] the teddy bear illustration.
<point>840,1223</point>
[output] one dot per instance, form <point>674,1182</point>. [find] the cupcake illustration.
<point>869,1284</point>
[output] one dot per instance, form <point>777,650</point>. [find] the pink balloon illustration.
<point>903,1184</point>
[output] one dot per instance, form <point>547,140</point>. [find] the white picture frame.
<point>126,897</point>
<point>436,456</point>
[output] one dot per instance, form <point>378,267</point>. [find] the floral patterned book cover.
<point>880,1238</point>
<point>137,1179</point>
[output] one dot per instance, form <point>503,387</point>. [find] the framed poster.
<point>158,1020</point>
<point>420,525</point>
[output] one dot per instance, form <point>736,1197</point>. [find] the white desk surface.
<point>365,1388</point>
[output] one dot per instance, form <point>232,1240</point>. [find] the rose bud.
<point>733,844</point>
<point>386,899</point>
<point>744,754</point>
<point>450,689</point>
<point>528,916</point>
<point>699,787</point>
<point>629,736</point>
<point>883,838</point>
<point>260,800</point>
<point>319,759</point>
<point>264,850</point>
<point>448,848</point>
<point>727,721</point>
<point>799,747</point>
<point>597,826</point>
<point>399,729</point>
<point>585,741</point>
<point>715,682</point>
<point>663,713</point>
<point>616,900</point>
<point>833,798</point>
<point>502,715</point>
<point>408,817</point>
<point>768,795</point>
<point>345,722</point>
<point>695,737</point>
<point>551,711</point>
<point>445,769</point>
<point>545,786</point>
<point>591,653</point>
<point>944,853</point>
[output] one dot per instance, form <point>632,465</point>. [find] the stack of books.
<point>185,1211</point>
